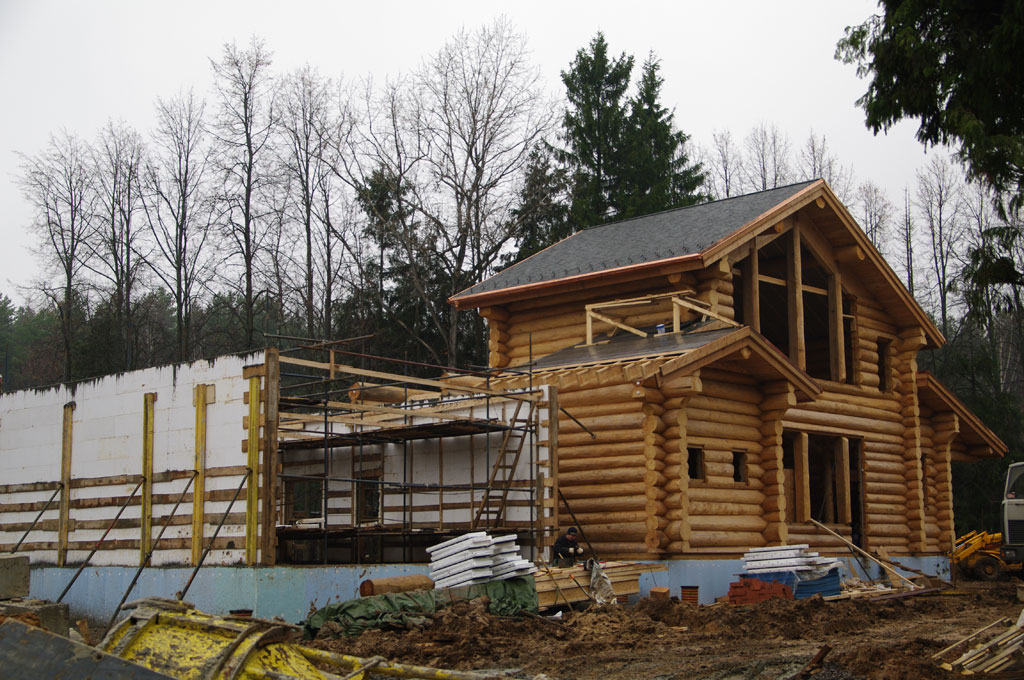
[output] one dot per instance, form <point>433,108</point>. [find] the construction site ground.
<point>669,640</point>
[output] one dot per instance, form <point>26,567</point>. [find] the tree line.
<point>304,205</point>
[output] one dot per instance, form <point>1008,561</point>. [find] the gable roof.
<point>689,238</point>
<point>640,241</point>
<point>981,442</point>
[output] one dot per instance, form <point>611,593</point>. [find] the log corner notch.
<point>779,398</point>
<point>905,367</point>
<point>497,336</point>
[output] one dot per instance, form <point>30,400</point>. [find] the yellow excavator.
<point>979,554</point>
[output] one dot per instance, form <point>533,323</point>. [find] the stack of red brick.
<point>753,590</point>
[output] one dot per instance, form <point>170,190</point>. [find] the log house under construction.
<point>685,386</point>
<point>730,372</point>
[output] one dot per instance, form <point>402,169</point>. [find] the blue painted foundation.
<point>290,591</point>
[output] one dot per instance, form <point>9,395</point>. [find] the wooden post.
<point>835,327</point>
<point>801,477</point>
<point>842,468</point>
<point>252,463</point>
<point>271,482</point>
<point>202,396</point>
<point>146,537</point>
<point>795,298</point>
<point>752,289</point>
<point>64,518</point>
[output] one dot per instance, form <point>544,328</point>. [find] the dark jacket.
<point>564,548</point>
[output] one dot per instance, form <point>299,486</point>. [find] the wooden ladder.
<point>495,500</point>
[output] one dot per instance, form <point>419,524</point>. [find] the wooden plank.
<point>200,399</point>
<point>146,532</point>
<point>842,469</point>
<point>252,486</point>
<point>616,324</point>
<point>65,478</point>
<point>752,289</point>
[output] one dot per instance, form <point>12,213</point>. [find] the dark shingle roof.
<point>672,233</point>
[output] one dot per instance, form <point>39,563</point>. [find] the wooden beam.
<point>146,538</point>
<point>63,522</point>
<point>837,348</point>
<point>801,478</point>
<point>252,465</point>
<point>795,299</point>
<point>271,483</point>
<point>453,387</point>
<point>202,396</point>
<point>752,289</point>
<point>616,324</point>
<point>700,309</point>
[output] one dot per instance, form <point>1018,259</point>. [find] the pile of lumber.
<point>785,558</point>
<point>565,585</point>
<point>1001,654</point>
<point>476,557</point>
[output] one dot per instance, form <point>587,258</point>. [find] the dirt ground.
<point>668,640</point>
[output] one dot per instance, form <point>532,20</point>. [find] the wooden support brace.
<point>201,398</point>
<point>63,522</point>
<point>252,485</point>
<point>146,537</point>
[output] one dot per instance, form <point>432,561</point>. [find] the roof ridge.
<point>692,205</point>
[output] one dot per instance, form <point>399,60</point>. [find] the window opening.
<point>739,466</point>
<point>884,364</point>
<point>695,463</point>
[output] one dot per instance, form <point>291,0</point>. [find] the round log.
<point>603,490</point>
<point>387,394</point>
<point>605,462</point>
<point>611,421</point>
<point>713,495</point>
<point>732,431</point>
<point>848,422</point>
<point>888,530</point>
<point>593,410</point>
<point>598,450</point>
<point>597,504</point>
<point>602,395</point>
<point>566,480</point>
<point>728,523</point>
<point>739,539</point>
<point>720,508</point>
<point>729,418</point>
<point>395,584</point>
<point>590,518</point>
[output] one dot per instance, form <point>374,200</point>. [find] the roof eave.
<point>926,380</point>
<point>614,275</point>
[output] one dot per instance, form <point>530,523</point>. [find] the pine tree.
<point>658,173</point>
<point>593,129</point>
<point>542,217</point>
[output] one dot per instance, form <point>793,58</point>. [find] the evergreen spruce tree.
<point>657,173</point>
<point>542,216</point>
<point>593,128</point>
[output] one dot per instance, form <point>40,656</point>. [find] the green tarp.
<point>404,610</point>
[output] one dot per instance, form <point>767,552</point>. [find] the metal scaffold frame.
<point>321,413</point>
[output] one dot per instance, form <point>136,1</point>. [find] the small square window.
<point>695,463</point>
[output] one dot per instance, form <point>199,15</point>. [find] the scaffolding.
<point>375,466</point>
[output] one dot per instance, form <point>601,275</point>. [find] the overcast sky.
<point>727,65</point>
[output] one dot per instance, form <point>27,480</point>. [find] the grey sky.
<point>726,65</point>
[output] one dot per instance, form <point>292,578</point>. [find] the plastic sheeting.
<point>406,610</point>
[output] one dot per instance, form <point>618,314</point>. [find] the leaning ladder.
<point>495,499</point>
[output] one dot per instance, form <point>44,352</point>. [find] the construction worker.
<point>566,549</point>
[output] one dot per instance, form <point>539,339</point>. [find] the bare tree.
<point>57,184</point>
<point>243,127</point>
<point>724,162</point>
<point>815,160</point>
<point>178,209</point>
<point>907,233</point>
<point>310,120</point>
<point>481,114</point>
<point>940,203</point>
<point>115,242</point>
<point>767,161</point>
<point>876,211</point>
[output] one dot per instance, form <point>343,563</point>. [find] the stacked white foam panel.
<point>784,558</point>
<point>476,558</point>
